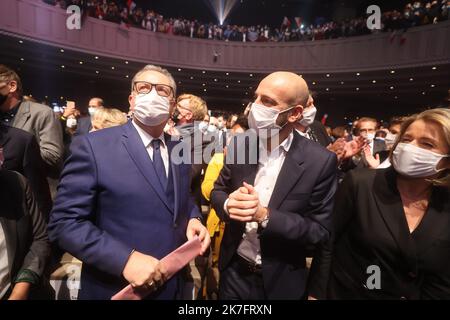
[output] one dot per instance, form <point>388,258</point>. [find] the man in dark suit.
<point>84,124</point>
<point>276,206</point>
<point>32,117</point>
<point>24,246</point>
<point>21,154</point>
<point>366,128</point>
<point>123,202</point>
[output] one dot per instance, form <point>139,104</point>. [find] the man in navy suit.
<point>278,206</point>
<point>123,203</point>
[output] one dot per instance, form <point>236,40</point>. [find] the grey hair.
<point>163,71</point>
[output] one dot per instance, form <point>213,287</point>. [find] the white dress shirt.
<point>270,164</point>
<point>147,139</point>
<point>5,281</point>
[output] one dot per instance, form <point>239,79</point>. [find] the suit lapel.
<point>290,172</point>
<point>135,148</point>
<point>22,116</point>
<point>390,206</point>
<point>175,175</point>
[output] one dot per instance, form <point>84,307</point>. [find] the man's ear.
<point>297,114</point>
<point>131,102</point>
<point>189,116</point>
<point>13,86</point>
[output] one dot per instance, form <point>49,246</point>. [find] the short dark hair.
<point>7,74</point>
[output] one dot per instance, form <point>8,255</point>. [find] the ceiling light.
<point>63,66</point>
<point>127,76</point>
<point>423,93</point>
<point>357,89</point>
<point>328,75</point>
<point>97,72</point>
<point>22,59</point>
<point>113,68</point>
<point>20,41</point>
<point>434,68</point>
<point>328,89</point>
<point>239,81</point>
<point>96,57</point>
<point>126,62</point>
<point>215,80</point>
<point>203,71</point>
<point>314,83</point>
<point>81,62</point>
<point>395,97</point>
<point>192,78</point>
<point>358,74</point>
<point>374,81</point>
<point>392,71</point>
<point>179,69</point>
<point>342,82</point>
<point>251,74</point>
<point>62,50</point>
<point>227,86</point>
<point>227,73</point>
<point>204,90</point>
<point>392,88</point>
<point>411,79</point>
<point>204,84</point>
<point>433,85</point>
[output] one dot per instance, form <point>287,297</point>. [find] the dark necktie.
<point>158,163</point>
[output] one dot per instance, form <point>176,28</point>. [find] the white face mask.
<point>370,137</point>
<point>390,139</point>
<point>92,111</point>
<point>71,123</point>
<point>415,162</point>
<point>203,126</point>
<point>151,109</point>
<point>264,118</point>
<point>308,116</point>
<point>212,128</point>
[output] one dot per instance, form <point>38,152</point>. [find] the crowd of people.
<point>295,210</point>
<point>416,13</point>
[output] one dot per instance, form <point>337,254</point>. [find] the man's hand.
<point>20,291</point>
<point>143,270</point>
<point>243,205</point>
<point>354,147</point>
<point>68,111</point>
<point>261,212</point>
<point>373,162</point>
<point>196,228</point>
<point>338,147</point>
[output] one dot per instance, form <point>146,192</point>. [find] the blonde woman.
<point>106,118</point>
<point>391,236</point>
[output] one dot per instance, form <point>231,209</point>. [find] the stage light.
<point>221,8</point>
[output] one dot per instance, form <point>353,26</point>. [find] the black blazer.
<point>370,228</point>
<point>24,226</point>
<point>22,154</point>
<point>300,205</point>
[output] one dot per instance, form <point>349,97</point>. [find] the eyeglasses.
<point>143,87</point>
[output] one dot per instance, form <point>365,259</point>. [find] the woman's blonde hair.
<point>441,117</point>
<point>108,117</point>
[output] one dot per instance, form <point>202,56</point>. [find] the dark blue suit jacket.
<point>110,202</point>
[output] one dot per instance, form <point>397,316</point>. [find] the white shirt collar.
<point>146,137</point>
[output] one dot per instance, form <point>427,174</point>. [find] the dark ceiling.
<point>57,75</point>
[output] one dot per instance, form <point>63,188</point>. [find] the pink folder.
<point>173,262</point>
